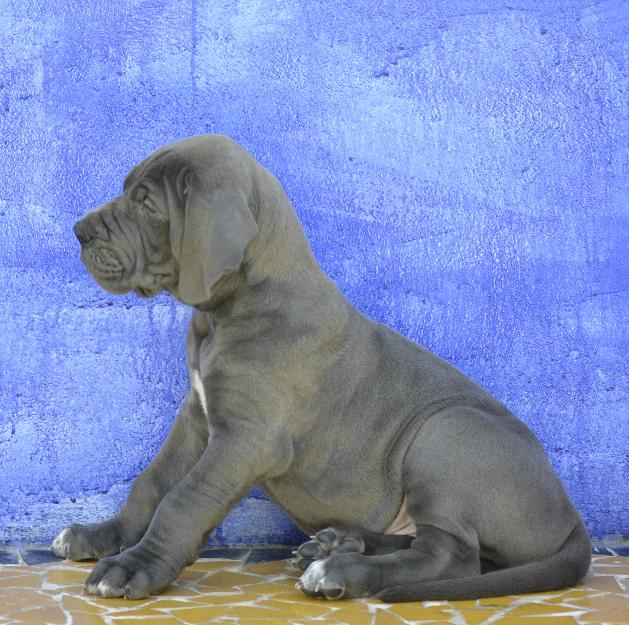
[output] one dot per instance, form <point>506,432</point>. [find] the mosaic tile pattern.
<point>242,592</point>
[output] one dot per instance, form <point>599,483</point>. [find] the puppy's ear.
<point>208,237</point>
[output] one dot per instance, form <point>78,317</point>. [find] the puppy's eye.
<point>150,206</point>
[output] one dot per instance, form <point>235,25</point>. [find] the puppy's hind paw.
<point>326,542</point>
<point>316,582</point>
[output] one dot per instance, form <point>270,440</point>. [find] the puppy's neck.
<point>224,294</point>
<point>280,248</point>
<point>279,253</point>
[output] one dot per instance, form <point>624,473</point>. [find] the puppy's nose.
<point>84,232</point>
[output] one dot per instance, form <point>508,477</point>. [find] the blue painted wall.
<point>460,168</point>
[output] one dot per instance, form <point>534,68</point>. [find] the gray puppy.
<point>426,487</point>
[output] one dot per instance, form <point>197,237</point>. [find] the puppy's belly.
<point>313,506</point>
<point>402,524</point>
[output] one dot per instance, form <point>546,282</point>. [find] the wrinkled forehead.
<point>151,169</point>
<point>218,160</point>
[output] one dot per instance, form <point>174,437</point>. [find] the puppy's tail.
<point>564,568</point>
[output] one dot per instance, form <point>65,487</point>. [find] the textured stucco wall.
<point>460,168</point>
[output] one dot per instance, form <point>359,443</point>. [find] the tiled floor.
<point>246,591</point>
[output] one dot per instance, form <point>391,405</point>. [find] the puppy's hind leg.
<point>340,539</point>
<point>434,554</point>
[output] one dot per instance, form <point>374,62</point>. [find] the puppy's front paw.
<point>88,542</point>
<point>62,544</point>
<point>133,574</point>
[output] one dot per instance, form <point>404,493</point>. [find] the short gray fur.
<point>336,417</point>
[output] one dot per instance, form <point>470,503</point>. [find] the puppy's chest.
<point>198,388</point>
<point>200,357</point>
<point>203,371</point>
<point>222,380</point>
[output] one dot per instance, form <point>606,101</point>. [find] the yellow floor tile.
<point>613,569</point>
<point>15,569</point>
<point>192,575</point>
<point>37,616</point>
<point>218,564</point>
<point>256,621</point>
<point>72,590</point>
<point>603,582</point>
<point>475,616</point>
<point>230,596</point>
<point>619,616</point>
<point>417,612</point>
<point>153,620</point>
<point>466,603</point>
<point>263,588</point>
<point>296,596</point>
<point>250,611</point>
<point>350,616</point>
<point>139,612</point>
<point>177,590</point>
<point>26,599</point>
<point>169,604</point>
<point>227,591</point>
<point>427,622</point>
<point>230,579</point>
<point>538,609</point>
<point>65,576</point>
<point>108,604</point>
<point>79,618</point>
<point>384,617</point>
<point>571,595</point>
<point>286,582</point>
<point>20,581</point>
<point>603,601</point>
<point>200,614</point>
<point>497,602</point>
<point>77,604</point>
<point>267,568</point>
<point>298,610</point>
<point>528,620</point>
<point>597,560</point>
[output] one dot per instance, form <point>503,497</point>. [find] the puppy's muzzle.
<point>101,256</point>
<point>84,232</point>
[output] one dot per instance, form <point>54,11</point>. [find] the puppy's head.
<point>182,222</point>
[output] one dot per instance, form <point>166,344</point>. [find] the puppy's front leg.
<point>180,451</point>
<point>234,460</point>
